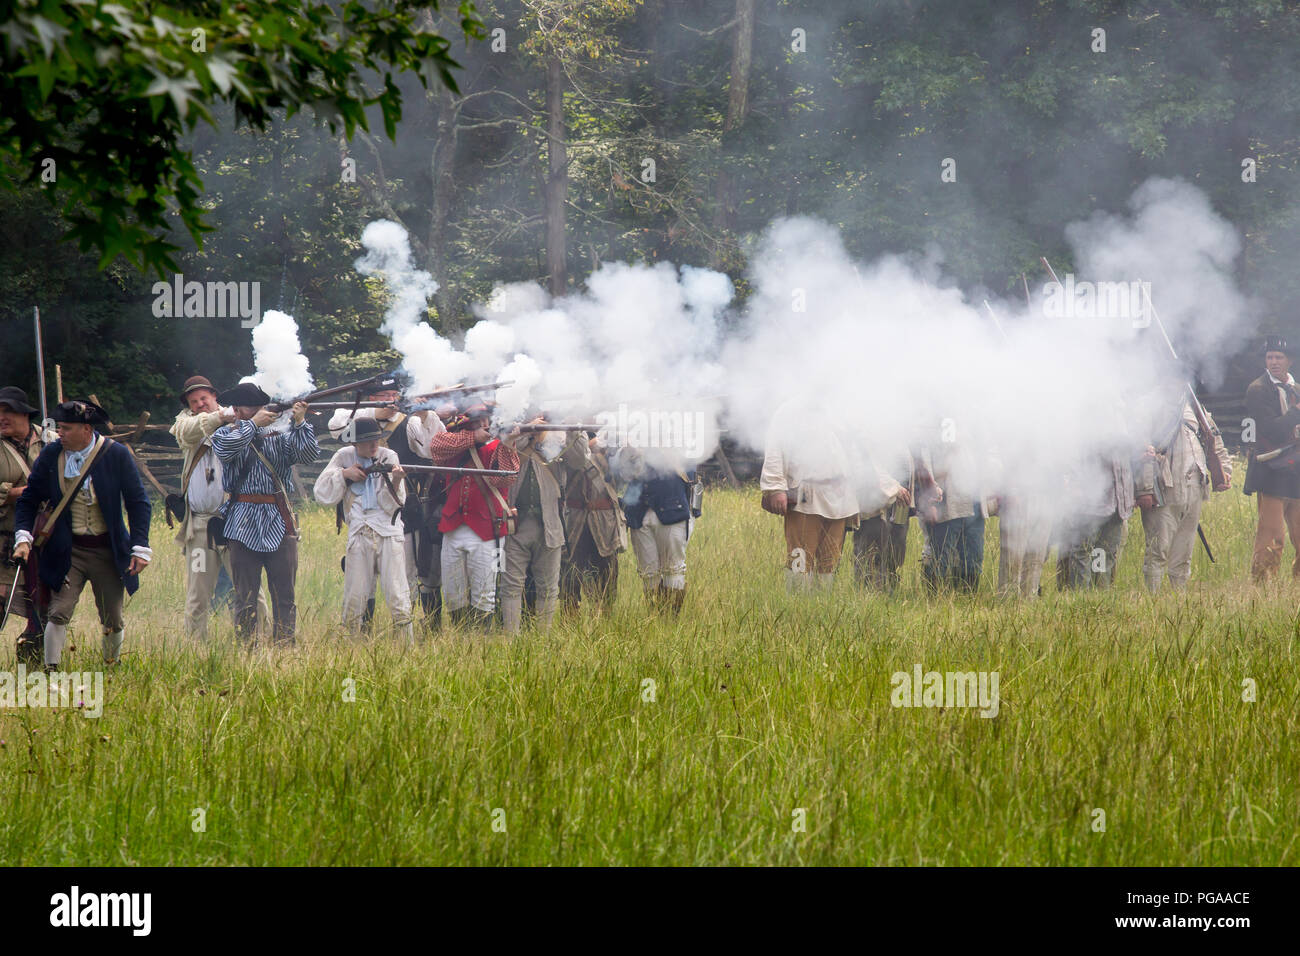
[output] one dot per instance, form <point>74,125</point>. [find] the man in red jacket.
<point>475,517</point>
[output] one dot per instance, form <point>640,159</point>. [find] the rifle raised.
<point>379,468</point>
<point>374,383</point>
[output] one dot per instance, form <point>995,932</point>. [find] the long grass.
<point>548,749</point>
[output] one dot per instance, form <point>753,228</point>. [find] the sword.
<point>13,589</point>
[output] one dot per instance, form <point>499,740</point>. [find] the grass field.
<point>764,704</point>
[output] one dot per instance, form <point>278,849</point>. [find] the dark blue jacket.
<point>665,492</point>
<point>116,481</point>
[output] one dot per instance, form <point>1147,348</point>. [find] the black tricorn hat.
<point>80,412</point>
<point>16,398</point>
<point>245,393</point>
<point>362,429</point>
<point>1277,343</point>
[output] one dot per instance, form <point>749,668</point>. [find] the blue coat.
<point>666,493</point>
<point>116,482</point>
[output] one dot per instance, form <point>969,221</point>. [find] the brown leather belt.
<point>600,504</point>
<point>90,540</point>
<point>256,499</point>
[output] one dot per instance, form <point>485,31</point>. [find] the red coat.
<point>465,502</point>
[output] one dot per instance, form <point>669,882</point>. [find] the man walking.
<point>257,521</point>
<point>85,480</point>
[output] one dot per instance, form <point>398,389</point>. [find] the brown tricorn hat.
<point>191,384</point>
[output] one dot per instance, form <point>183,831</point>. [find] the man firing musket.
<point>475,516</point>
<point>257,522</point>
<point>363,480</point>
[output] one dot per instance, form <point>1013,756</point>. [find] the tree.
<point>98,97</point>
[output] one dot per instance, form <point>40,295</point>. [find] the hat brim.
<point>246,394</point>
<point>185,395</point>
<point>22,408</point>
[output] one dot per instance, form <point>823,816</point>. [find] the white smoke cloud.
<point>280,368</point>
<point>890,354</point>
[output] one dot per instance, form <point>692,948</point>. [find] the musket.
<point>361,386</point>
<point>13,589</point>
<point>381,468</point>
<point>326,405</point>
<point>40,362</point>
<point>1276,452</point>
<point>1050,271</point>
<point>551,427</point>
<point>994,316</point>
<point>1212,463</point>
<point>457,389</point>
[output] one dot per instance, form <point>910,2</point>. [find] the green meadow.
<point>757,728</point>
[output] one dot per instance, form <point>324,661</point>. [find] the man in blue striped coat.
<point>259,525</point>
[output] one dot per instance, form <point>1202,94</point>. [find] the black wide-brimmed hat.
<point>1276,343</point>
<point>193,383</point>
<point>361,429</point>
<point>16,398</point>
<point>80,412</point>
<point>245,393</point>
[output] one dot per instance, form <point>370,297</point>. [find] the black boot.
<point>31,647</point>
<point>431,602</point>
<point>368,616</point>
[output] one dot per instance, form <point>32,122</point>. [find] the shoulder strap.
<point>486,488</point>
<point>22,462</point>
<point>286,513</point>
<point>194,464</point>
<point>57,513</point>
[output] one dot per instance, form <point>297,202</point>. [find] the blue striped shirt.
<point>259,526</point>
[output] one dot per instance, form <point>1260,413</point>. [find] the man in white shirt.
<point>805,479</point>
<point>372,506</point>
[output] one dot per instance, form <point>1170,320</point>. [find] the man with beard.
<point>204,495</point>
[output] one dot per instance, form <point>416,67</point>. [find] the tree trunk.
<point>742,50</point>
<point>557,180</point>
<point>443,168</point>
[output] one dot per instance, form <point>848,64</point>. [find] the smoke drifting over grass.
<point>889,354</point>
